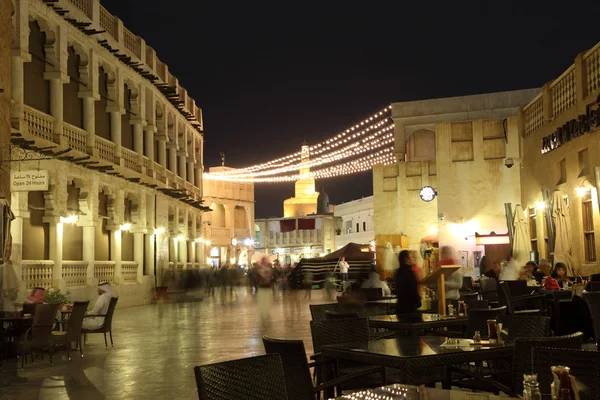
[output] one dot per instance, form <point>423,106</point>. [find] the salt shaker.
<point>477,337</point>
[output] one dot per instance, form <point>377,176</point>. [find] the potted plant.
<point>57,297</point>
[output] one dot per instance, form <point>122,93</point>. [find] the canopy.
<point>521,242</point>
<point>562,229</point>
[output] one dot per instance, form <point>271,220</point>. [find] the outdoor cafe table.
<point>408,392</point>
<point>428,322</point>
<point>414,356</point>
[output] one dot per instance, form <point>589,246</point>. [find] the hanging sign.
<point>29,181</point>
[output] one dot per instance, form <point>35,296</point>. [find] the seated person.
<point>37,296</point>
<point>531,271</point>
<point>544,267</point>
<point>560,273</point>
<point>375,282</point>
<point>93,322</point>
<point>494,272</point>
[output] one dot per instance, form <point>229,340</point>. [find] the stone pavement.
<point>157,346</point>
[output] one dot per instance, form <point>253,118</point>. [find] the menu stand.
<point>438,277</point>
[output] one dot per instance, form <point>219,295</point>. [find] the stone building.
<point>457,146</point>
<point>355,223</point>
<point>229,227</point>
<point>98,117</point>
<point>560,151</point>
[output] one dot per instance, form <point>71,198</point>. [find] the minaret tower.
<point>305,200</point>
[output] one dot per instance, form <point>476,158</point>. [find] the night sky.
<point>268,75</point>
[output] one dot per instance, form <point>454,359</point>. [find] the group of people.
<point>541,273</point>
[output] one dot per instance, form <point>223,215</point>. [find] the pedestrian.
<point>264,294</point>
<point>344,267</point>
<point>307,278</point>
<point>407,294</point>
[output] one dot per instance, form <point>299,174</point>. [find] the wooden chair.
<point>73,332</point>
<point>107,326</point>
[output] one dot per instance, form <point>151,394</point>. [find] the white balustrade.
<point>76,137</point>
<point>534,115</point>
<point>108,23</point>
<point>38,123</point>
<point>592,65</point>
<point>37,273</point>
<point>563,92</point>
<point>74,273</point>
<point>129,270</point>
<point>104,271</point>
<point>106,149</point>
<point>130,159</point>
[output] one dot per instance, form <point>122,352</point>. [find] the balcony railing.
<point>132,43</point>
<point>242,233</point>
<point>129,271</point>
<point>130,160</point>
<point>104,271</point>
<point>76,137</point>
<point>38,123</point>
<point>83,5</point>
<point>108,23</point>
<point>563,92</point>
<point>534,115</point>
<point>74,273</point>
<point>106,149</point>
<point>37,273</point>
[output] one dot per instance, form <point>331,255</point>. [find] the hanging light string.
<point>378,120</point>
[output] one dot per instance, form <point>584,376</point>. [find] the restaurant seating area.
<point>363,347</point>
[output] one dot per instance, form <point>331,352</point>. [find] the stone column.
<point>191,175</point>
<point>115,253</point>
<point>149,143</point>
<point>89,120</point>
<point>149,266</point>
<point>138,137</point>
<point>18,87</point>
<point>89,251</point>
<point>138,254</point>
<point>19,206</point>
<point>56,245</point>
<point>115,133</point>
<point>182,164</point>
<point>162,151</point>
<point>198,177</point>
<point>172,157</point>
<point>56,102</point>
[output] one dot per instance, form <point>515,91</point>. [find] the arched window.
<point>102,117</point>
<point>72,104</point>
<point>37,89</point>
<point>126,127</point>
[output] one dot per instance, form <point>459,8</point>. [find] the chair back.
<point>478,317</point>
<point>337,331</point>
<point>522,354</point>
<point>477,304</point>
<point>109,314</point>
<point>340,315</point>
<point>467,283</point>
<point>521,326</point>
<point>43,323</point>
<point>317,311</point>
<point>372,293</point>
<point>76,320</point>
<point>296,372</point>
<point>489,289</point>
<point>584,365</point>
<point>29,308</point>
<point>504,297</point>
<point>467,297</point>
<point>256,378</point>
<point>593,301</point>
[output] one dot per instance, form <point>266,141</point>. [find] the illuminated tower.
<point>304,201</point>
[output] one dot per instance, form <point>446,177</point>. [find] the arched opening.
<point>72,104</point>
<point>256,232</point>
<point>217,216</point>
<point>37,89</point>
<point>126,235</point>
<point>240,218</point>
<point>420,146</point>
<point>126,127</point>
<point>36,232</point>
<point>72,234</point>
<point>102,117</point>
<point>102,238</point>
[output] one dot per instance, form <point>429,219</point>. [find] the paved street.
<point>157,346</point>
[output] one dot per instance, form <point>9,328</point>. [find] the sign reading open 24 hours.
<point>427,193</point>
<point>29,181</point>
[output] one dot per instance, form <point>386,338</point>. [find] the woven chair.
<point>107,326</point>
<point>296,369</point>
<point>254,378</point>
<point>468,297</point>
<point>340,314</point>
<point>489,289</point>
<point>317,311</point>
<point>538,300</point>
<point>523,326</point>
<point>584,365</point>
<point>29,308</point>
<point>479,304</point>
<point>593,301</point>
<point>73,332</point>
<point>478,317</point>
<point>37,337</point>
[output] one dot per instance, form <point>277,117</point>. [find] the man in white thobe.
<point>100,308</point>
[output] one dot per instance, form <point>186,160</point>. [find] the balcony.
<point>242,233</point>
<point>219,236</point>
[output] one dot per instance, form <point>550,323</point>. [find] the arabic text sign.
<point>28,181</point>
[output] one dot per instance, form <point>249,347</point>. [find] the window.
<point>357,230</point>
<point>364,226</point>
<point>348,228</point>
<point>587,214</point>
<point>533,229</point>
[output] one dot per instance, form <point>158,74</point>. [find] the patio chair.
<point>478,317</point>
<point>523,326</point>
<point>37,337</point>
<point>73,332</point>
<point>489,290</point>
<point>253,378</point>
<point>29,308</point>
<point>107,326</point>
<point>593,301</point>
<point>340,314</point>
<point>533,303</point>
<point>477,304</point>
<point>584,365</point>
<point>318,311</point>
<point>468,297</point>
<point>296,369</point>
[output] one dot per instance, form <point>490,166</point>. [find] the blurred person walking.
<point>408,299</point>
<point>264,294</point>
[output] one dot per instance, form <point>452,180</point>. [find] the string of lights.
<point>326,151</point>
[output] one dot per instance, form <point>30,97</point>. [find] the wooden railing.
<point>129,271</point>
<point>76,137</point>
<point>37,273</point>
<point>83,5</point>
<point>108,23</point>
<point>132,42</point>
<point>563,92</point>
<point>74,273</point>
<point>534,115</point>
<point>130,159</point>
<point>106,149</point>
<point>38,123</point>
<point>104,271</point>
<point>160,69</point>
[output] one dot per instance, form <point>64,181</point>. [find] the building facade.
<point>119,142</point>
<point>355,223</point>
<point>456,146</point>
<point>561,136</point>
<point>229,227</point>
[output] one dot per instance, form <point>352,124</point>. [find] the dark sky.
<point>267,75</point>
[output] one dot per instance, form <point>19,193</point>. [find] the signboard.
<point>316,248</point>
<point>298,250</point>
<point>285,250</point>
<point>28,181</point>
